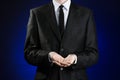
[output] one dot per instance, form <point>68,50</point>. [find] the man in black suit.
<point>61,41</point>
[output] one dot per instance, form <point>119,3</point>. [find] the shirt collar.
<point>66,5</point>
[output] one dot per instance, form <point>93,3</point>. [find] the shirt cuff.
<point>49,58</point>
<point>75,56</point>
<point>75,62</point>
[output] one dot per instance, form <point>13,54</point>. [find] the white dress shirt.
<point>66,7</point>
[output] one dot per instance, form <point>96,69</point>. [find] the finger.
<point>58,58</point>
<point>57,63</point>
<point>62,64</point>
<point>65,64</point>
<point>68,62</point>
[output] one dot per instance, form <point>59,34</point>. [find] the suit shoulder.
<point>40,8</point>
<point>83,9</point>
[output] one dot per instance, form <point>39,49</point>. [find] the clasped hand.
<point>62,62</point>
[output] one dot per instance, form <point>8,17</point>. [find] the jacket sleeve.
<point>32,51</point>
<point>89,55</point>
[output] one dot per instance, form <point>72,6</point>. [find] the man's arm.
<point>89,56</point>
<point>32,51</point>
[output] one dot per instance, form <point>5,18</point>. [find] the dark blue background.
<point>13,20</point>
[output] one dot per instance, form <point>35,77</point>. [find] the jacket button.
<point>61,69</point>
<point>62,50</point>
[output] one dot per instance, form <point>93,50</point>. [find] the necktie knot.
<point>61,6</point>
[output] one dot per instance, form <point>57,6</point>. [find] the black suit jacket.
<point>43,36</point>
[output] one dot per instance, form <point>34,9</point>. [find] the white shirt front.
<point>65,10</point>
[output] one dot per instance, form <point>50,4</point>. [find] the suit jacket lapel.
<point>72,15</point>
<point>53,22</point>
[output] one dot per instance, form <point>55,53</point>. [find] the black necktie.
<point>61,20</point>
